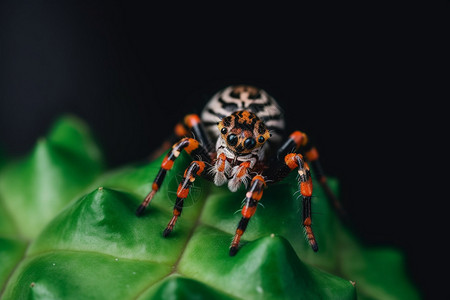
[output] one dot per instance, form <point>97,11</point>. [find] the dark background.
<point>358,78</point>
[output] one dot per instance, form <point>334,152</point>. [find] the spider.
<point>247,125</point>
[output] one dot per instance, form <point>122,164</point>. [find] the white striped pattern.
<point>222,104</point>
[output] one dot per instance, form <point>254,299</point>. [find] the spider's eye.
<point>249,143</point>
<point>232,139</point>
<point>223,130</point>
<point>261,139</point>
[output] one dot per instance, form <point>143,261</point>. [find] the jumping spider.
<point>246,124</point>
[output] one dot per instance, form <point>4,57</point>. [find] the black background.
<point>358,78</point>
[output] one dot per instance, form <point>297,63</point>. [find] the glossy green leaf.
<point>177,287</point>
<point>96,248</point>
<point>34,189</point>
<point>11,252</point>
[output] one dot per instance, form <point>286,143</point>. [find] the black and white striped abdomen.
<point>243,97</point>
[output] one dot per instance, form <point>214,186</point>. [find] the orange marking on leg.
<point>260,178</point>
<point>191,120</point>
<point>290,161</point>
<point>193,144</point>
<point>182,192</point>
<point>299,138</point>
<point>257,195</point>
<point>167,163</point>
<point>239,232</point>
<point>307,222</point>
<point>201,165</point>
<point>312,154</point>
<point>248,212</point>
<point>155,186</point>
<point>180,131</point>
<point>306,188</point>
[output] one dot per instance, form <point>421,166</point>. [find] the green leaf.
<point>34,189</point>
<point>37,187</point>
<point>11,252</point>
<point>176,287</point>
<point>96,248</point>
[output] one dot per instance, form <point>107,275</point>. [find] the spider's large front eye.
<point>249,143</point>
<point>232,139</point>
<point>223,130</point>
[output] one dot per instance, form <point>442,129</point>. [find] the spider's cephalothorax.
<point>247,126</point>
<point>239,147</point>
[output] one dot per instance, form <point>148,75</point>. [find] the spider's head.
<point>243,132</point>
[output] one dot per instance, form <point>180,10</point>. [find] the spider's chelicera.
<point>247,125</point>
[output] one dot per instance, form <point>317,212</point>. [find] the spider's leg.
<point>252,197</point>
<point>190,127</point>
<point>191,146</point>
<point>299,142</point>
<point>195,169</point>
<point>193,123</point>
<point>179,131</point>
<point>280,170</point>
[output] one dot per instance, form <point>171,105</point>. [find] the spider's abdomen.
<point>243,97</point>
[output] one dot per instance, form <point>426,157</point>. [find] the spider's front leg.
<point>195,169</point>
<point>252,197</point>
<point>189,145</point>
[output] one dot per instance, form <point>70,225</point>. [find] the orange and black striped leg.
<point>190,127</point>
<point>187,144</point>
<point>252,198</point>
<point>298,141</point>
<point>179,132</point>
<point>295,161</point>
<point>193,123</point>
<point>195,169</point>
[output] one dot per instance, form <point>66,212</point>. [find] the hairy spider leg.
<point>279,169</point>
<point>252,197</point>
<point>294,161</point>
<point>191,146</point>
<point>195,169</point>
<point>299,142</point>
<point>194,124</point>
<point>190,127</point>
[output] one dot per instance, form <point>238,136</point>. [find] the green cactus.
<point>68,231</point>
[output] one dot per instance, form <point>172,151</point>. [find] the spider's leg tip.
<point>233,251</point>
<point>315,247</point>
<point>166,232</point>
<point>140,210</point>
